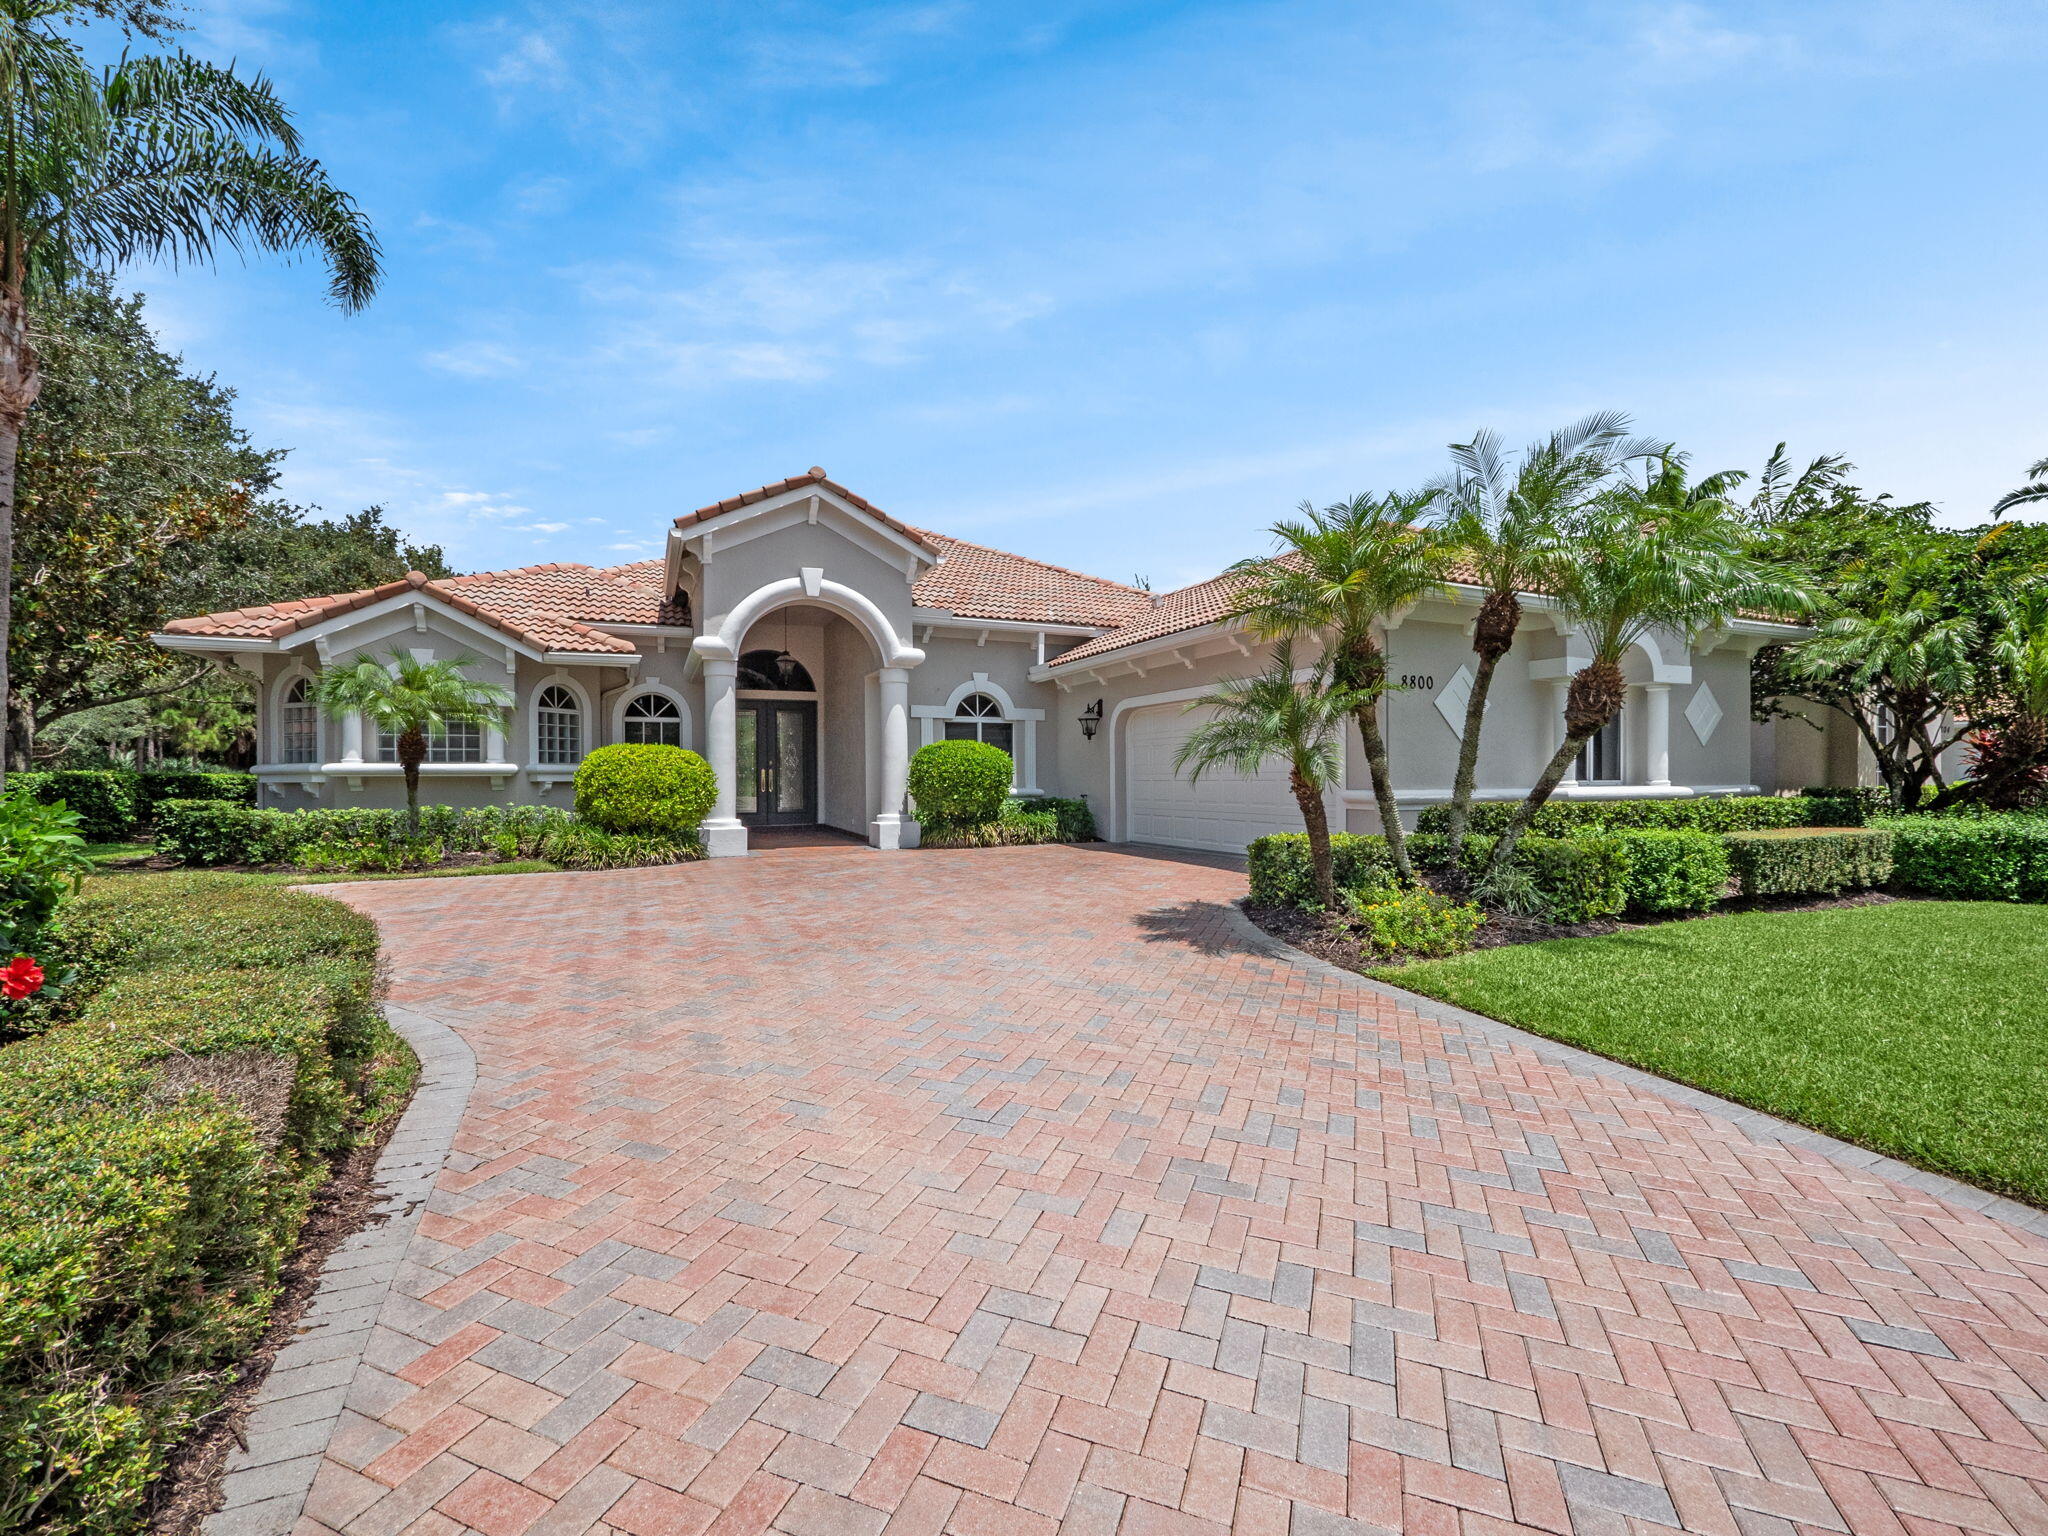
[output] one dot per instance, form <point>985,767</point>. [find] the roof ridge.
<point>511,570</point>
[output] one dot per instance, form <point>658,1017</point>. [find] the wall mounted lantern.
<point>1091,717</point>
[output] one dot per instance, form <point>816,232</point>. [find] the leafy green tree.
<point>160,157</point>
<point>1502,517</point>
<point>1913,646</point>
<point>1276,715</point>
<point>1341,573</point>
<point>1665,553</point>
<point>413,700</point>
<point>141,500</point>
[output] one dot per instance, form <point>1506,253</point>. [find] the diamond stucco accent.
<point>1703,714</point>
<point>1452,698</point>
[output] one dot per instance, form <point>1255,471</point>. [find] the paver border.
<point>294,1415</point>
<point>1753,1121</point>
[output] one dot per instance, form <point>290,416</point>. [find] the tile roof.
<point>976,582</point>
<point>550,607</point>
<point>812,476</point>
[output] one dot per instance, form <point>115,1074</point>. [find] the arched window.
<point>651,720</point>
<point>774,672</point>
<point>980,718</point>
<point>298,724</point>
<point>558,727</point>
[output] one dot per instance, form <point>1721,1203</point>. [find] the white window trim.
<point>278,690</point>
<point>1024,762</point>
<point>544,774</point>
<point>640,690</point>
<point>581,705</point>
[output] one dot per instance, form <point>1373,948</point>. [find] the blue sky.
<point>1116,283</point>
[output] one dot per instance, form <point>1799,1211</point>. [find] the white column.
<point>1028,729</point>
<point>890,828</point>
<point>724,833</point>
<point>351,737</point>
<point>1562,687</point>
<point>1657,732</point>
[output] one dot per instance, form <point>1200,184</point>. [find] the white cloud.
<point>477,360</point>
<point>542,527</point>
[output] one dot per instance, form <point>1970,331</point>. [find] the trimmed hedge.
<point>157,1156</point>
<point>113,804</point>
<point>1281,877</point>
<point>1076,821</point>
<point>1704,813</point>
<point>1581,878</point>
<point>1814,861</point>
<point>959,783</point>
<point>1971,858</point>
<point>646,789</point>
<point>1673,870</point>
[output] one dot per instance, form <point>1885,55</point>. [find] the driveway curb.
<point>293,1417</point>
<point>1753,1121</point>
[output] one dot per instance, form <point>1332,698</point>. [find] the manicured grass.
<point>1917,1028</point>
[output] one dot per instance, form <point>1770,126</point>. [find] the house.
<point>807,643</point>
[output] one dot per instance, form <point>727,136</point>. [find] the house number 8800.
<point>1417,680</point>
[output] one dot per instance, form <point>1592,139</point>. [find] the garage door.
<point>1223,811</point>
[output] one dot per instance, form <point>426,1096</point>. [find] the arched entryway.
<point>806,692</point>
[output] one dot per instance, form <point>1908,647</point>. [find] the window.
<point>461,741</point>
<point>980,718</point>
<point>652,720</point>
<point>298,724</point>
<point>774,672</point>
<point>558,727</point>
<point>1600,759</point>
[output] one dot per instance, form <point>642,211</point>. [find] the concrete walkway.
<point>1018,1191</point>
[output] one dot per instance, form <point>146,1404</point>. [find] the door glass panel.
<point>792,762</point>
<point>746,765</point>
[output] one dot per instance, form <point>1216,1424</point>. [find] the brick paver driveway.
<point>1009,1191</point>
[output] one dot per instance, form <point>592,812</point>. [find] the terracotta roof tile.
<point>976,582</point>
<point>812,476</point>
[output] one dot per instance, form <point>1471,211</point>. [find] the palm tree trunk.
<point>1467,777</point>
<point>1383,791</point>
<point>20,381</point>
<point>1320,860</point>
<point>412,751</point>
<point>1595,696</point>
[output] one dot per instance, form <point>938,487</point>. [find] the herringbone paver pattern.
<point>1006,1193</point>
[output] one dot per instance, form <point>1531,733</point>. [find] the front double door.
<point>776,770</point>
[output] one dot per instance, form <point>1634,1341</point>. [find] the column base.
<point>724,839</point>
<point>893,831</point>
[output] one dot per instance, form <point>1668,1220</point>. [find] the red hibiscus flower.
<point>21,978</point>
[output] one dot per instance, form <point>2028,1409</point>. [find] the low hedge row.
<point>1811,861</point>
<point>1705,813</point>
<point>1038,819</point>
<point>158,1151</point>
<point>205,834</point>
<point>1579,878</point>
<point>114,804</point>
<point>1970,858</point>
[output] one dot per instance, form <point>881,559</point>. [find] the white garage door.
<point>1223,811</point>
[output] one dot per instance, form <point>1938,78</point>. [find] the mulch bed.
<point>189,1489</point>
<point>1322,936</point>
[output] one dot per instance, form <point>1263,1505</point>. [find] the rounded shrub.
<point>959,783</point>
<point>644,788</point>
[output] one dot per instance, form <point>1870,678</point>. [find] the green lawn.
<point>1918,1028</point>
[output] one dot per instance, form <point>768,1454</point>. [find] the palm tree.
<point>1665,554</point>
<point>1275,714</point>
<point>162,157</point>
<point>1502,520</point>
<point>2036,489</point>
<point>412,699</point>
<point>1341,572</point>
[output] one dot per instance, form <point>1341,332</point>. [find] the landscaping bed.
<point>167,1122</point>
